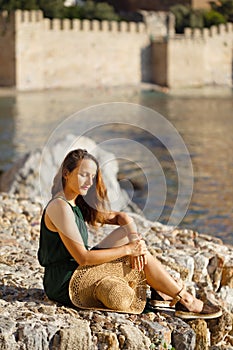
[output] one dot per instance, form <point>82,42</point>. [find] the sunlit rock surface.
<point>30,321</point>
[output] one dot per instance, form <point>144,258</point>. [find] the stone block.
<point>226,294</point>
<point>222,29</point>
<point>141,27</point>
<point>107,340</point>
<point>202,334</point>
<point>158,332</point>
<point>95,25</point>
<point>56,24</point>
<point>183,337</point>
<point>7,340</point>
<point>76,337</point>
<point>33,336</point>
<point>229,27</point>
<point>227,276</point>
<point>206,33</point>
<point>188,32</point>
<point>200,269</point>
<point>86,25</point>
<point>219,327</point>
<point>197,33</point>
<point>134,338</point>
<point>76,24</point>
<point>132,27</point>
<point>123,26</point>
<point>213,30</point>
<point>47,24</point>
<point>215,268</point>
<point>26,16</point>
<point>105,26</point>
<point>114,26</point>
<point>66,24</point>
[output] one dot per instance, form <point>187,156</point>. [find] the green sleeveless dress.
<point>58,263</point>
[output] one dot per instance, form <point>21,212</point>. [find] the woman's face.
<point>81,178</point>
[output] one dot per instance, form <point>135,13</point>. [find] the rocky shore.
<point>32,322</point>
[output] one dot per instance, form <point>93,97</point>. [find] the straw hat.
<point>112,286</point>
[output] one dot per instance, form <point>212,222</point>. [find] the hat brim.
<point>84,279</point>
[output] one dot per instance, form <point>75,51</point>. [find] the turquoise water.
<point>203,118</point>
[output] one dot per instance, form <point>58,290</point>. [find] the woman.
<point>79,195</point>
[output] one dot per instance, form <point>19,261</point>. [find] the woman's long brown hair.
<point>95,204</point>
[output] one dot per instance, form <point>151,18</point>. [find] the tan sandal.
<point>209,310</point>
<point>177,297</point>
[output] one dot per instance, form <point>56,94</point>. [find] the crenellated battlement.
<point>214,31</point>
<point>28,16</point>
<point>31,17</point>
<point>41,53</point>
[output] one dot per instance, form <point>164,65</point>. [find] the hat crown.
<point>114,293</point>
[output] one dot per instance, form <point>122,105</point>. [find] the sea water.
<point>202,117</point>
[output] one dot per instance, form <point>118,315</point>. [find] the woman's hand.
<point>137,247</point>
<point>138,262</point>
<point>138,254</point>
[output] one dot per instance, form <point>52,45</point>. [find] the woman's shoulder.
<point>59,210</point>
<point>58,202</point>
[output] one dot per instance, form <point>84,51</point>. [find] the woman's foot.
<point>189,307</point>
<point>190,302</point>
<point>186,305</point>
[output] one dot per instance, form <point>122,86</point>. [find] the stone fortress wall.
<point>54,53</point>
<point>197,58</point>
<point>38,53</point>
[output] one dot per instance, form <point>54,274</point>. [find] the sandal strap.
<point>176,298</point>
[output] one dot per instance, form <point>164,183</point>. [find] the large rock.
<point>32,176</point>
<point>76,337</point>
<point>202,332</point>
<point>183,337</point>
<point>134,338</point>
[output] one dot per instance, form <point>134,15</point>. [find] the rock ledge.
<point>30,321</point>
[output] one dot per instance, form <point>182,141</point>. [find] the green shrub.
<point>225,7</point>
<point>52,8</point>
<point>182,17</point>
<point>213,18</point>
<point>92,10</point>
<point>105,11</point>
<point>56,9</point>
<point>18,4</point>
<point>196,19</point>
<point>187,17</point>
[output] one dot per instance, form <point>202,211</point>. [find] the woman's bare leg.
<point>116,238</point>
<point>159,279</point>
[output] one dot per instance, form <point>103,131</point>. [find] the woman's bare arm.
<point>124,220</point>
<point>62,217</point>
